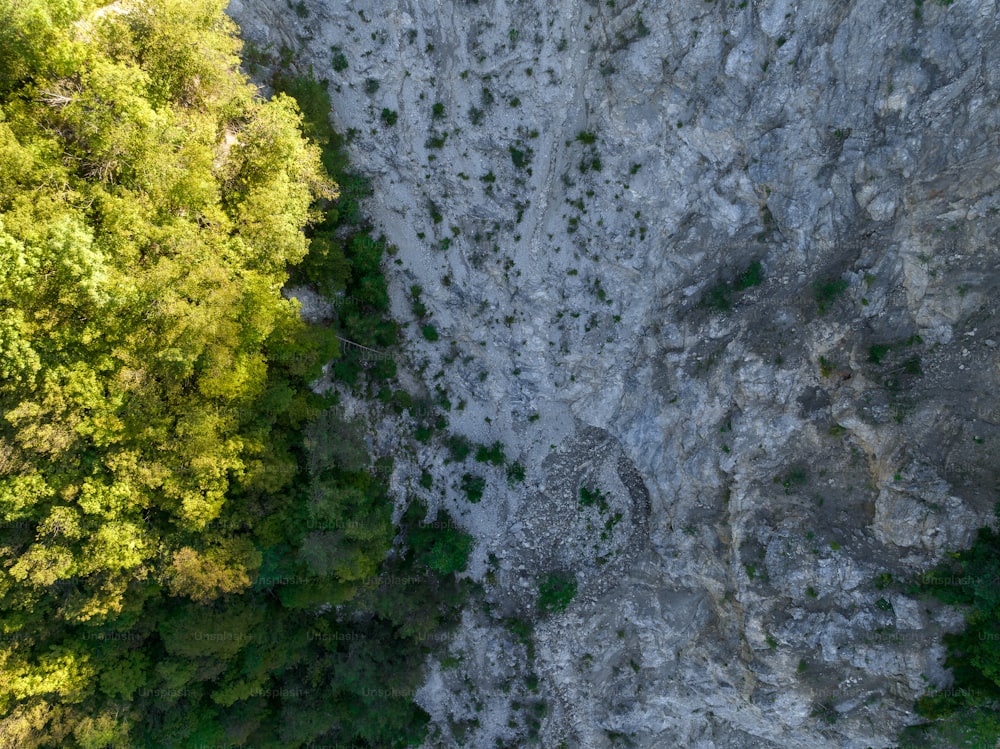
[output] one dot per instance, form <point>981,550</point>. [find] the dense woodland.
<point>966,714</point>
<point>195,548</point>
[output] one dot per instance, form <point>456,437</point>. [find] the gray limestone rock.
<point>584,212</point>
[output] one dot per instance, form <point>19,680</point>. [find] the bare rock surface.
<point>582,190</point>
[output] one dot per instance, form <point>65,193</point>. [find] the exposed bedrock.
<point>584,211</point>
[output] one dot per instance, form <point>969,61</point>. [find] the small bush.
<point>493,454</point>
<point>389,117</point>
<point>401,400</point>
<point>877,352</point>
<point>520,158</point>
<point>720,296</point>
<point>429,332</point>
<point>436,544</point>
<point>796,477</point>
<point>458,447</point>
<point>371,86</point>
<point>827,291</point>
<point>555,592</point>
<point>436,140</point>
<point>752,276</point>
<point>521,629</point>
<point>515,472</point>
<point>449,552</point>
<point>418,307</point>
<point>437,111</point>
<point>473,486</point>
<point>591,497</point>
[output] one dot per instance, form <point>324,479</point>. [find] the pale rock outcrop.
<point>599,167</point>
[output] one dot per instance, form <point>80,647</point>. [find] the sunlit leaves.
<point>19,362</point>
<point>168,537</point>
<point>19,494</point>
<point>43,564</point>
<point>61,672</point>
<point>205,575</point>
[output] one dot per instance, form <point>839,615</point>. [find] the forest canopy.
<point>168,482</point>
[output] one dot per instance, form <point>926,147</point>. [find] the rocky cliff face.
<point>583,190</point>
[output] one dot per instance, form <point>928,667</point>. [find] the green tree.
<point>179,509</point>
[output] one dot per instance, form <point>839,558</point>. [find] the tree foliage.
<point>172,530</point>
<point>966,713</point>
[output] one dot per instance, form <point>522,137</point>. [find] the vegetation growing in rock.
<point>826,291</point>
<point>438,544</point>
<point>515,472</point>
<point>966,714</point>
<point>473,486</point>
<point>458,446</point>
<point>555,592</point>
<point>493,454</point>
<point>720,296</point>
